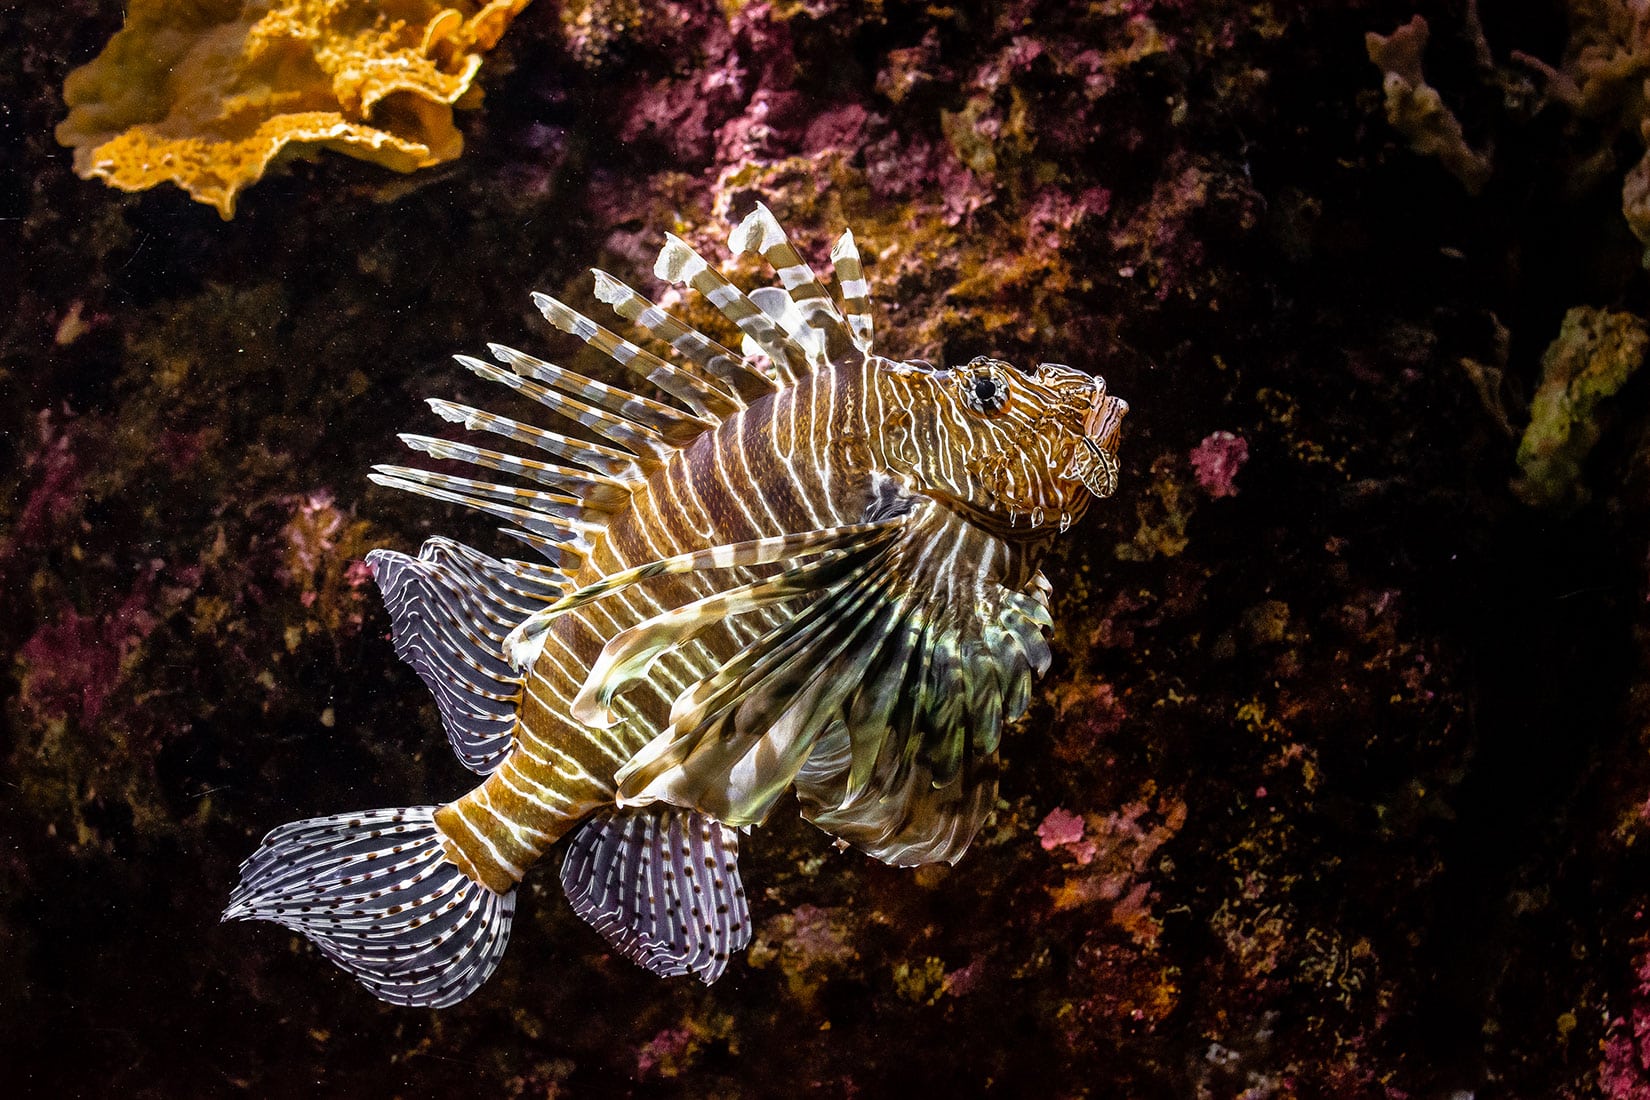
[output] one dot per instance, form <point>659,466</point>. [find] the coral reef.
<point>1601,79</point>
<point>1217,461</point>
<point>1593,356</point>
<point>1339,783</point>
<point>205,95</point>
<point>1416,110</point>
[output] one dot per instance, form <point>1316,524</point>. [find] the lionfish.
<point>802,566</point>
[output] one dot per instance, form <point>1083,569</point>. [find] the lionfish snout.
<point>1105,417</point>
<point>1095,462</point>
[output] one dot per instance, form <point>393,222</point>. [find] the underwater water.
<point>1339,784</point>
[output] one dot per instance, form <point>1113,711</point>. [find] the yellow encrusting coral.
<point>206,93</point>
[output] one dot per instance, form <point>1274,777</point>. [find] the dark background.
<point>1361,746</point>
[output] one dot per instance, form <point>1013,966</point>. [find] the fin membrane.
<point>663,887</point>
<point>524,643</point>
<point>883,698</point>
<point>737,738</point>
<point>375,893</point>
<point>451,608</point>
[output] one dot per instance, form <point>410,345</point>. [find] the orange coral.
<point>206,93</point>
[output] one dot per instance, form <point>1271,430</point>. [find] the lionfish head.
<point>1012,450</point>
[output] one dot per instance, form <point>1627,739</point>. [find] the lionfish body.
<point>813,569</point>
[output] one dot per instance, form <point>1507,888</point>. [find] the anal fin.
<point>662,886</point>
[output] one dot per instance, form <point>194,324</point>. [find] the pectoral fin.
<point>882,698</point>
<point>525,641</point>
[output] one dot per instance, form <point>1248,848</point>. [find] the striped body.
<point>800,459</point>
<point>802,567</point>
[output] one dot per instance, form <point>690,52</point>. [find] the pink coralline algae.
<point>311,536</point>
<point>808,944</point>
<point>815,939</point>
<point>74,664</point>
<point>664,1049</point>
<point>1624,1073</point>
<point>729,109</point>
<point>323,560</point>
<point>1166,241</point>
<point>1064,829</point>
<point>1055,214</point>
<point>1113,852</point>
<point>1217,460</point>
<point>1088,713</point>
<point>58,468</point>
<point>837,128</point>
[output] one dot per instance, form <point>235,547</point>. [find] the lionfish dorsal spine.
<point>672,424</point>
<point>805,308</point>
<point>855,290</point>
<point>642,440</point>
<point>700,351</point>
<point>478,496</point>
<point>679,263</point>
<point>605,461</point>
<point>565,511</point>
<point>708,399</point>
<point>597,491</point>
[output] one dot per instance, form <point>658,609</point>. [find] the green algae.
<point>1594,355</point>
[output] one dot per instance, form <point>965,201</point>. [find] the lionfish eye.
<point>985,387</point>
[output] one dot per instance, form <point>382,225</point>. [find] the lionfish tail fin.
<point>662,886</point>
<point>377,895</point>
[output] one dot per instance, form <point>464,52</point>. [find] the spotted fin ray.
<point>663,888</point>
<point>451,608</point>
<point>375,893</point>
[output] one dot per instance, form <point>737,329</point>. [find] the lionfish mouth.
<point>1095,463</point>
